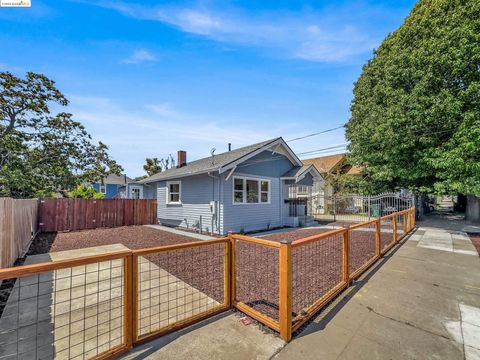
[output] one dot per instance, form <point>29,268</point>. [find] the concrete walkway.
<point>422,301</point>
<point>180,232</point>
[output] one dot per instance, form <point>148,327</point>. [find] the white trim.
<point>179,202</point>
<point>244,191</point>
<point>104,188</point>
<point>310,169</point>
<point>230,173</point>
<point>131,187</point>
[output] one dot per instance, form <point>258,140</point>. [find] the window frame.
<point>179,202</point>
<point>140,191</point>
<point>104,188</point>
<point>244,190</point>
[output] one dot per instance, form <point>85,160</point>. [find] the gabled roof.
<point>224,161</point>
<point>355,170</point>
<point>325,164</point>
<point>297,173</point>
<point>116,179</point>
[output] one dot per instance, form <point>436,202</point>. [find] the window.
<point>251,191</point>
<point>238,190</point>
<point>174,191</point>
<point>136,192</point>
<point>103,188</point>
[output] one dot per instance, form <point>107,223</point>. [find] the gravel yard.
<point>133,237</point>
<point>317,267</point>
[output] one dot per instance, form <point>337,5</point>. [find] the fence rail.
<point>99,306</point>
<point>62,214</point>
<point>18,225</point>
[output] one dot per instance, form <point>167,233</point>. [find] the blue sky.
<point>150,77</point>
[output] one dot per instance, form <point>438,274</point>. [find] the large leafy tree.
<point>415,119</point>
<point>42,153</point>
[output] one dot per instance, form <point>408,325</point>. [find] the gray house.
<point>245,189</point>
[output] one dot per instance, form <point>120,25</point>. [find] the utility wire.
<point>317,133</point>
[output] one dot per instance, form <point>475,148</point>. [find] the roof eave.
<point>147,181</point>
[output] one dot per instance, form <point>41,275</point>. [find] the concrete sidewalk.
<point>422,301</point>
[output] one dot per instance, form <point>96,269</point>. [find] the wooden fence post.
<point>414,220</point>
<point>378,243</point>
<point>129,301</point>
<point>135,281</point>
<point>227,272</point>
<point>346,257</point>
<point>405,229</point>
<point>394,219</point>
<point>285,294</point>
<point>232,279</point>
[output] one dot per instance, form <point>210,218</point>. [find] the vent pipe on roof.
<point>229,146</point>
<point>213,156</point>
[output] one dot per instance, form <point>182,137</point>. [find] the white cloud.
<point>161,129</point>
<point>139,56</point>
<point>305,35</point>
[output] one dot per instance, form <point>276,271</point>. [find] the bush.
<point>86,192</point>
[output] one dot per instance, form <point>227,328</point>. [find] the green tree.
<point>86,192</point>
<point>415,114</point>
<point>41,153</point>
<point>154,165</point>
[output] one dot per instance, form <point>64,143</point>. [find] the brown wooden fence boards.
<point>18,224</point>
<point>79,214</point>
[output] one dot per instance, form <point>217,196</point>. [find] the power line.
<point>323,149</point>
<point>317,133</point>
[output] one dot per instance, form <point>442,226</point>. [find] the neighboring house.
<point>329,166</point>
<point>112,185</point>
<point>245,189</point>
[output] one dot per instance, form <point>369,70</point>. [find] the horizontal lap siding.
<point>250,217</point>
<point>197,192</point>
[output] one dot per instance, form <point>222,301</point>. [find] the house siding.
<point>251,217</point>
<point>196,194</point>
<point>111,189</point>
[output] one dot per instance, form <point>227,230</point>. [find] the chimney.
<point>181,158</point>
<point>229,146</point>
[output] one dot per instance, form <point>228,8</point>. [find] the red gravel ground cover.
<point>133,237</point>
<point>475,238</point>
<point>317,267</point>
<point>201,267</point>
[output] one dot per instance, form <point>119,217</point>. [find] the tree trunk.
<point>472,212</point>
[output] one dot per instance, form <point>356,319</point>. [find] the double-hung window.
<point>251,191</point>
<point>174,192</point>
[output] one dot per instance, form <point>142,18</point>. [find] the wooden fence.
<point>18,225</point>
<point>58,214</point>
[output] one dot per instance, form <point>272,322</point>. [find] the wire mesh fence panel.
<point>257,277</point>
<point>178,285</point>
<point>316,270</point>
<point>362,246</point>
<point>386,233</point>
<point>72,313</point>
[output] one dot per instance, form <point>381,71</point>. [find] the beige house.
<point>329,166</point>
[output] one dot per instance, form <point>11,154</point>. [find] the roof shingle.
<point>205,164</point>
